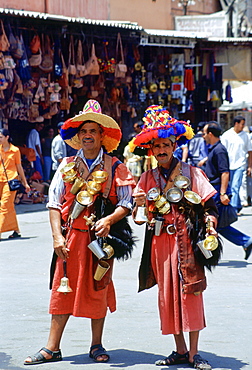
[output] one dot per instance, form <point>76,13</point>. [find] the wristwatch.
<point>223,193</point>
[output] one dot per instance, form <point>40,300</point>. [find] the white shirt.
<point>57,187</point>
<point>237,145</point>
<point>33,140</point>
<point>58,151</point>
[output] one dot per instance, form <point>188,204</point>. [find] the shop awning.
<point>62,18</point>
<point>170,38</point>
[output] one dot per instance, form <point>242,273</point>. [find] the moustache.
<point>162,155</point>
<point>88,139</point>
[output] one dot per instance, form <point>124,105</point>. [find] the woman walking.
<point>10,158</point>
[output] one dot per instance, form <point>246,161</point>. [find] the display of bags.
<point>121,67</point>
<point>47,55</point>
<point>4,42</point>
<point>92,65</point>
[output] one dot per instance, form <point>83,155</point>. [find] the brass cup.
<point>93,187</point>
<point>101,270</point>
<point>77,185</point>
<point>69,166</point>
<point>70,178</point>
<point>192,197</point>
<point>160,202</point>
<point>182,182</point>
<point>84,198</point>
<point>174,195</point>
<point>153,194</point>
<point>100,176</point>
<point>210,243</point>
<point>109,250</point>
<point>165,209</point>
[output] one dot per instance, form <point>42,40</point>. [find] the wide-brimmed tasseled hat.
<point>159,124</point>
<point>92,112</point>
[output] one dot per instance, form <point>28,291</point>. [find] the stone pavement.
<point>132,334</point>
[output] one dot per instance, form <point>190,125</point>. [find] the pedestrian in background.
<point>35,143</point>
<point>217,170</point>
<point>59,150</point>
<point>46,144</point>
<point>238,145</point>
<point>11,160</point>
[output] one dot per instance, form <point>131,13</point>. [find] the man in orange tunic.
<point>92,133</point>
<point>172,211</point>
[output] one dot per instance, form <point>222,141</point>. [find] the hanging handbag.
<point>35,44</point>
<point>4,42</point>
<point>121,67</point>
<point>47,55</point>
<point>36,59</point>
<point>14,184</point>
<point>80,66</point>
<point>107,65</point>
<point>92,65</point>
<point>71,58</point>
<point>63,80</point>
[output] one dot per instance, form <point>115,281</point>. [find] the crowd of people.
<point>181,184</point>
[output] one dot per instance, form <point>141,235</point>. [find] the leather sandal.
<point>200,364</point>
<point>174,359</point>
<point>98,352</point>
<point>15,235</point>
<point>38,358</point>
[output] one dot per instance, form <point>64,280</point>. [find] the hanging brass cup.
<point>153,194</point>
<point>210,243</point>
<point>141,215</point>
<point>182,182</point>
<point>93,187</point>
<point>101,270</point>
<point>161,201</point>
<point>69,166</point>
<point>77,185</point>
<point>174,195</point>
<point>70,177</point>
<point>192,197</point>
<point>109,250</point>
<point>100,176</point>
<point>82,199</point>
<point>165,209</point>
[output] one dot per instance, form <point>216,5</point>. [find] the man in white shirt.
<point>34,143</point>
<point>58,151</point>
<point>238,145</point>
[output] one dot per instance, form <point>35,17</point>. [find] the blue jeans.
<point>47,167</point>
<point>235,184</point>
<point>235,236</point>
<point>230,233</point>
<point>38,166</point>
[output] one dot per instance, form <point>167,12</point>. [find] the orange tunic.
<point>8,218</point>
<point>85,300</point>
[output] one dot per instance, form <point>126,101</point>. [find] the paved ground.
<point>132,333</point>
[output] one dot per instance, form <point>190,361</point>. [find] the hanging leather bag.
<point>80,66</point>
<point>92,65</point>
<point>4,42</point>
<point>71,59</point>
<point>47,55</point>
<point>121,67</point>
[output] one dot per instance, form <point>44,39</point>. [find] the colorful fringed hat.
<point>159,124</point>
<point>92,112</point>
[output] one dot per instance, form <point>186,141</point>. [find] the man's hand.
<point>249,171</point>
<point>139,197</point>
<point>224,199</point>
<point>60,247</point>
<point>102,227</point>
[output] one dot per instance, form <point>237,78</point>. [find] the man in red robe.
<point>178,201</point>
<point>92,133</point>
